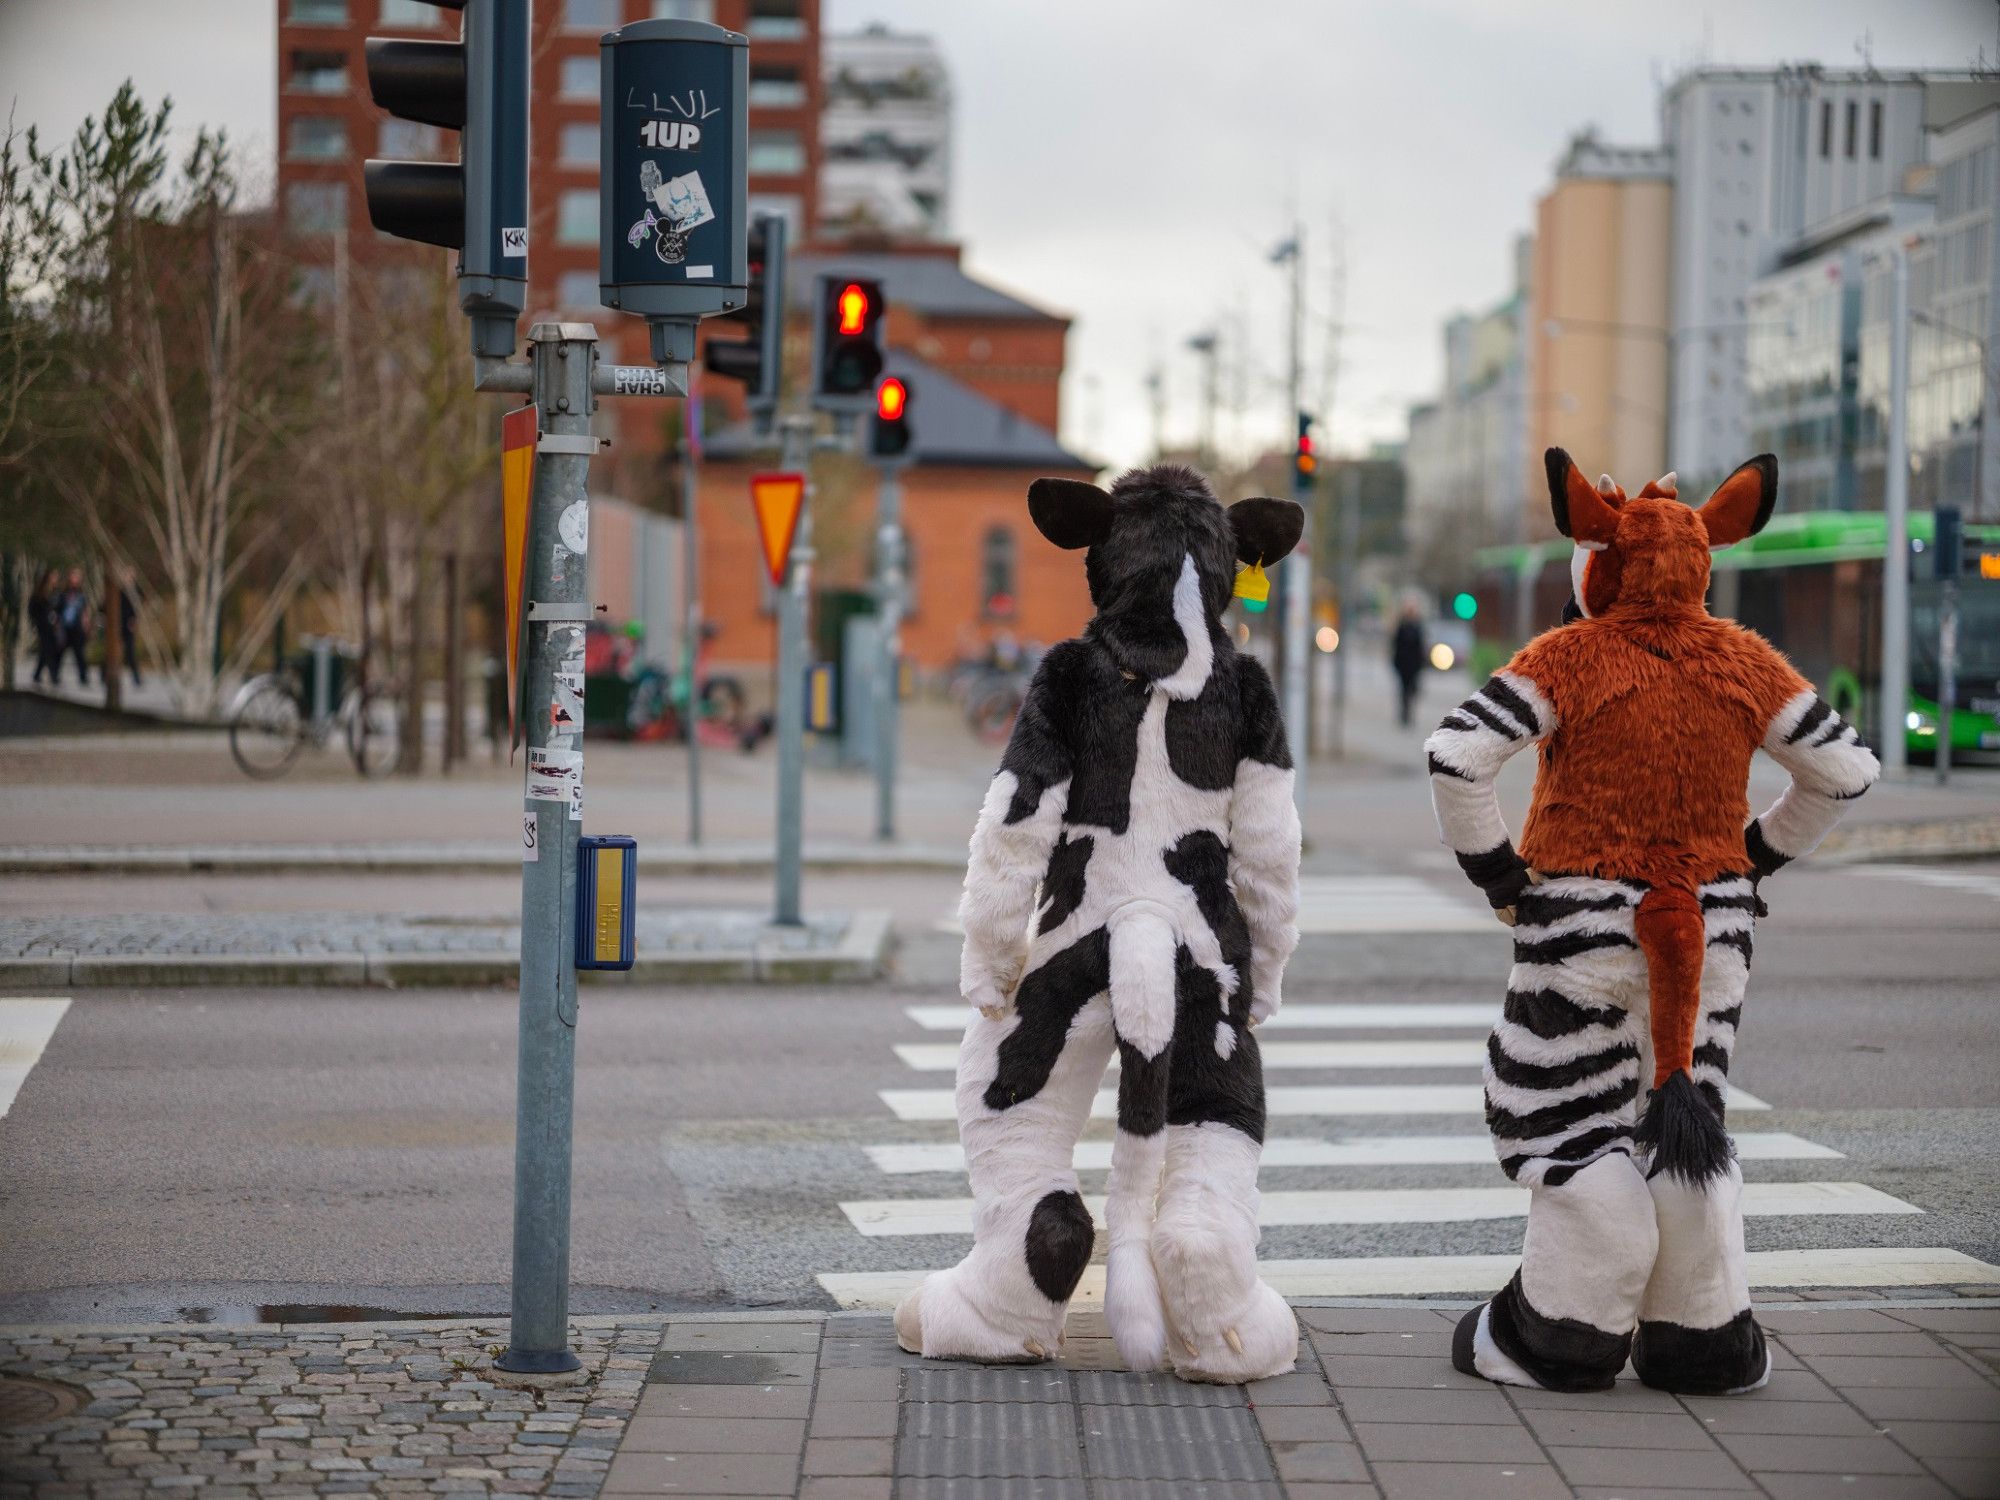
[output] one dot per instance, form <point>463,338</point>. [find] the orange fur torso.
<point>1658,713</point>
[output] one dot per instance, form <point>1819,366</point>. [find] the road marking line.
<point>1429,1275</point>
<point>1276,1210</point>
<point>1479,1015</point>
<point>942,1057</point>
<point>1365,1151</point>
<point>1357,1099</point>
<point>1945,880</point>
<point>26,1027</point>
<point>1358,904</point>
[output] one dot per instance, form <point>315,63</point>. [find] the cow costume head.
<point>1650,550</point>
<point>1160,554</point>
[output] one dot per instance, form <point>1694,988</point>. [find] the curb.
<point>861,955</point>
<point>452,859</point>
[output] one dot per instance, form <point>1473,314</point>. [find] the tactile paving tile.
<point>1123,1388</point>
<point>962,1487</point>
<point>1174,1442</point>
<point>972,1439</point>
<point>977,1383</point>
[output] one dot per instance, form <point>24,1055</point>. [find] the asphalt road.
<point>174,1152</point>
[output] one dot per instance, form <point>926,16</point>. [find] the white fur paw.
<point>1132,1308</point>
<point>1254,1341</point>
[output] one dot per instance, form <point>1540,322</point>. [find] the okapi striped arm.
<point>1465,754</point>
<point>1017,830</point>
<point>1264,840</point>
<point>1830,768</point>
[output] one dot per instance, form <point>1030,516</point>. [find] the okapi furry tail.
<point>1680,1132</point>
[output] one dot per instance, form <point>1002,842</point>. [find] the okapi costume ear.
<point>1586,515</point>
<point>1266,529</point>
<point>1742,503</point>
<point>1069,512</point>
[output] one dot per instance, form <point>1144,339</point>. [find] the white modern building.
<point>885,137</point>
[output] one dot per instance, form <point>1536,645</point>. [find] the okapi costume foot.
<point>998,1306</point>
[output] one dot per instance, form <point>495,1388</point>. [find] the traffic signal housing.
<point>847,343</point>
<point>477,205</point>
<point>1305,463</point>
<point>758,360</point>
<point>889,434</point>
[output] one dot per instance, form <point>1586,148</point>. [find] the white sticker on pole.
<point>554,775</point>
<point>574,526</point>
<point>576,800</point>
<point>566,704</point>
<point>531,849</point>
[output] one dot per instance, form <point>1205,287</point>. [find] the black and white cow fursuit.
<point>1132,888</point>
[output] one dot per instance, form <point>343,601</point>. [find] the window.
<point>1875,130</point>
<point>777,88</point>
<point>577,291</point>
<point>776,21</point>
<point>319,73</point>
<point>312,286</point>
<point>318,13</point>
<point>576,217</point>
<point>997,598</point>
<point>787,206</point>
<point>579,77</point>
<point>579,145</point>
<point>1853,118</point>
<point>408,140</point>
<point>410,14</point>
<point>779,153</point>
<point>316,207</point>
<point>590,15</point>
<point>684,10</point>
<point>317,138</point>
<point>1826,128</point>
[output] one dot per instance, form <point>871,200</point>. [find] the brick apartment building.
<point>986,366</point>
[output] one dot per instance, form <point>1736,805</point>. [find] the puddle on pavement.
<point>311,1312</point>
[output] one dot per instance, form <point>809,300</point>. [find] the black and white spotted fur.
<point>1132,888</point>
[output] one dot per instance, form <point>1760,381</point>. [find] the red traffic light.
<point>852,309</point>
<point>892,397</point>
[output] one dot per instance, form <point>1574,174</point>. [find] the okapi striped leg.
<point>1697,1333</point>
<point>1025,1086</point>
<point>1562,1086</point>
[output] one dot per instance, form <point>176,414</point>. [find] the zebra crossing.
<point>1332,905</point>
<point>1415,1174</point>
<point>26,1027</point>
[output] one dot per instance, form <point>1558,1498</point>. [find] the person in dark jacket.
<point>1406,655</point>
<point>72,611</point>
<point>42,620</point>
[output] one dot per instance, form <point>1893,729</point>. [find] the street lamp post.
<point>1895,685</point>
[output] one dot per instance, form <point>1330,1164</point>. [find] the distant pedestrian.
<point>42,620</point>
<point>1406,655</point>
<point>128,622</point>
<point>73,625</point>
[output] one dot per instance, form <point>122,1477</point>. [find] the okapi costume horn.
<point>1633,898</point>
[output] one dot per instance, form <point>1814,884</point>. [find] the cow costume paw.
<point>1132,888</point>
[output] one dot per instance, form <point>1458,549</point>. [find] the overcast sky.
<point>1131,162</point>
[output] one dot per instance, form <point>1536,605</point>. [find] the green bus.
<point>1811,584</point>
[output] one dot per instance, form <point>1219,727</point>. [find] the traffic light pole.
<point>1894,693</point>
<point>795,438</point>
<point>560,356</point>
<point>888,674</point>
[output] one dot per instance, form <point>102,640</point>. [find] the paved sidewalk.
<point>1870,1400</point>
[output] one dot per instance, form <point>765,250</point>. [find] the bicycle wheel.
<point>373,729</point>
<point>991,712</point>
<point>268,730</point>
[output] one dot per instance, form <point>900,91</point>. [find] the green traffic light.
<point>1464,606</point>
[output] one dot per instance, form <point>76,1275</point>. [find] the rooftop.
<point>933,284</point>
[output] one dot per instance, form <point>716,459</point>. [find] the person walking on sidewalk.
<point>1406,655</point>
<point>126,604</point>
<point>42,620</point>
<point>72,612</point>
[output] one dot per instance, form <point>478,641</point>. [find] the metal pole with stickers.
<point>673,194</point>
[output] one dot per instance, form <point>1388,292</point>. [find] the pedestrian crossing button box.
<point>607,875</point>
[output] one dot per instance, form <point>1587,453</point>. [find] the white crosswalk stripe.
<point>1477,1275</point>
<point>1478,1016</point>
<point>1969,881</point>
<point>1352,904</point>
<point>942,1057</point>
<point>1362,1151</point>
<point>26,1027</point>
<point>1359,1099</point>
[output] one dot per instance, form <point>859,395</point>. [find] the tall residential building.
<point>1597,325</point>
<point>1463,457</point>
<point>328,125</point>
<point>1760,156</point>
<point>886,138</point>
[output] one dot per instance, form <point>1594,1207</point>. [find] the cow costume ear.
<point>1069,512</point>
<point>1266,529</point>
<point>1742,503</point>
<point>1584,513</point>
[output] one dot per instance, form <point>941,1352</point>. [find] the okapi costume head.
<point>1161,561</point>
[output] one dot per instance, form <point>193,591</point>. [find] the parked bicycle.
<point>307,701</point>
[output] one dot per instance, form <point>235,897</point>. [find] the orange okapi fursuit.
<point>1633,897</point>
